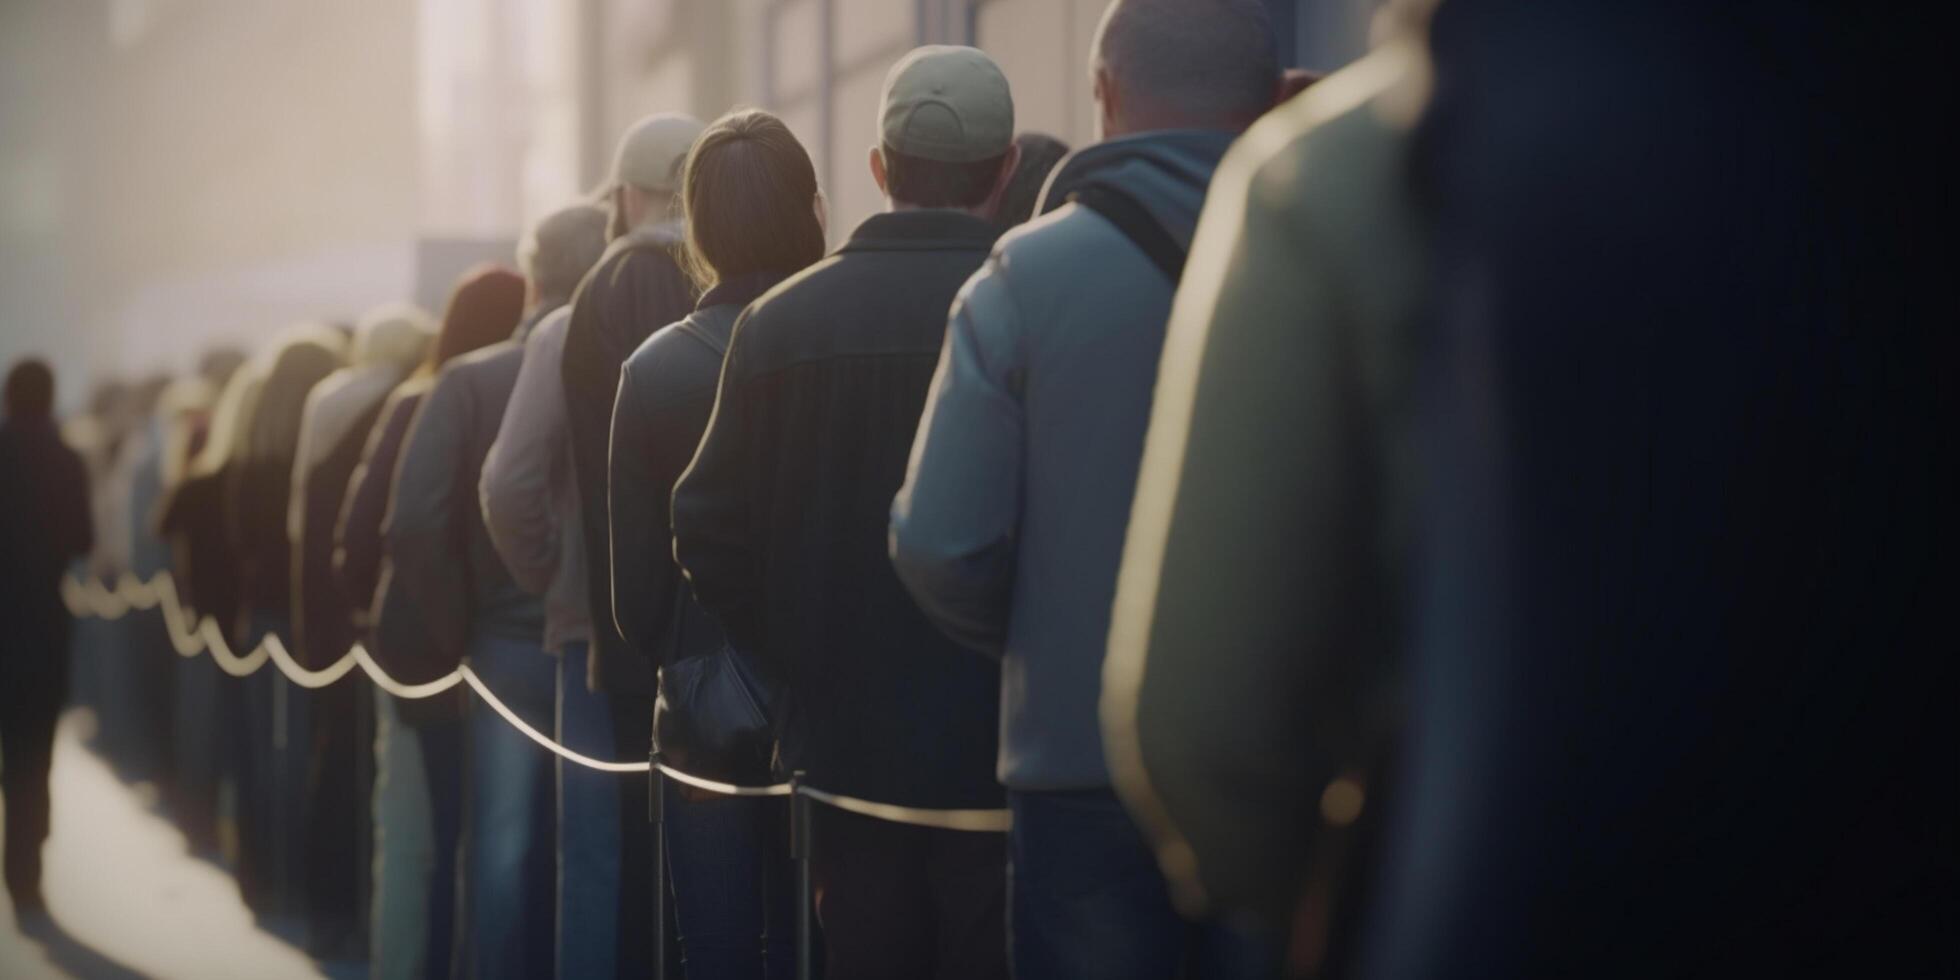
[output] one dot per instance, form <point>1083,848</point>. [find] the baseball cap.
<point>653,150</point>
<point>947,103</point>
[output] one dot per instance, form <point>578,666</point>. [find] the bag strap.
<point>1136,224</point>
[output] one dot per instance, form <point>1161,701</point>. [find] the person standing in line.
<point>193,519</point>
<point>637,287</point>
<point>1010,528</point>
<point>530,508</point>
<point>780,525</point>
<point>1268,587</point>
<point>340,412</point>
<point>417,743</point>
<point>1040,155</point>
<point>443,564</point>
<point>44,526</point>
<point>271,734</point>
<point>751,201</point>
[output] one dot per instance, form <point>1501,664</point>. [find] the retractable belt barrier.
<point>92,598</point>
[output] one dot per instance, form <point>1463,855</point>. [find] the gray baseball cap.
<point>653,150</point>
<point>946,103</point>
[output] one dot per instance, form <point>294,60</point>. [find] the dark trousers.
<point>733,886</point>
<point>1089,902</point>
<point>336,805</point>
<point>27,720</point>
<point>632,717</point>
<point>899,902</point>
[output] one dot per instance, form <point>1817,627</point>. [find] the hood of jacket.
<point>1166,171</point>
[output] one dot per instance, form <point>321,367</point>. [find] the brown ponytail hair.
<point>750,195</point>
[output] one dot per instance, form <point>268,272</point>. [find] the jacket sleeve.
<point>516,486</point>
<point>357,537</point>
<point>1247,569</point>
<point>643,468</point>
<point>423,530</point>
<point>711,508</point>
<point>953,524</point>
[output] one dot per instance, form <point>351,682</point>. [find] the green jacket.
<point>1256,615</point>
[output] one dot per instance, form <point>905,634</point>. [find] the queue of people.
<point>1335,528</point>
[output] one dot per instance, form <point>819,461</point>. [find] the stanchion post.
<point>657,812</point>
<point>801,846</point>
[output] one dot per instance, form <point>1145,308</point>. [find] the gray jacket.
<point>530,494</point>
<point>1010,527</point>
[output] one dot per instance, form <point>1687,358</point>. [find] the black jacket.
<point>666,392</point>
<point>357,537</point>
<point>323,619</point>
<point>780,522</point>
<point>192,519</point>
<point>44,525</point>
<point>634,290</point>
<point>439,551</point>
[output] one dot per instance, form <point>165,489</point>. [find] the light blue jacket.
<point>1010,527</point>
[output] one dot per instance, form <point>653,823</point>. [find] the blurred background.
<point>175,173</point>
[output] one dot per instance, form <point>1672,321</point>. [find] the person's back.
<point>1011,526</point>
<point>636,288</point>
<point>44,525</point>
<point>41,530</point>
<point>436,534</point>
<point>780,524</point>
<point>831,371</point>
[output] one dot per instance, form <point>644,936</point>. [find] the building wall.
<point>819,65</point>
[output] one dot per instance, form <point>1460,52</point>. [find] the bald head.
<point>1184,64</point>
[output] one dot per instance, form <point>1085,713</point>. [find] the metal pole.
<point>658,812</point>
<point>801,845</point>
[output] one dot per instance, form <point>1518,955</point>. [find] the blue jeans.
<point>444,755</point>
<point>588,828</point>
<point>507,853</point>
<point>733,886</point>
<point>1086,901</point>
<point>404,851</point>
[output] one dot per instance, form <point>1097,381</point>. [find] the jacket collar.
<point>739,291</point>
<point>925,230</point>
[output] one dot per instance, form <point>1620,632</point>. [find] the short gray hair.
<point>564,246</point>
<point>1202,59</point>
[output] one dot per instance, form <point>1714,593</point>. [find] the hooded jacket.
<point>1010,527</point>
<point>636,288</point>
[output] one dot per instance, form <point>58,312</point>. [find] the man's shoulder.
<point>810,295</point>
<point>470,374</point>
<point>626,263</point>
<point>1052,255</point>
<point>480,363</point>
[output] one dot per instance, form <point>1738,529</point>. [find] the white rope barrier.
<point>92,598</point>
